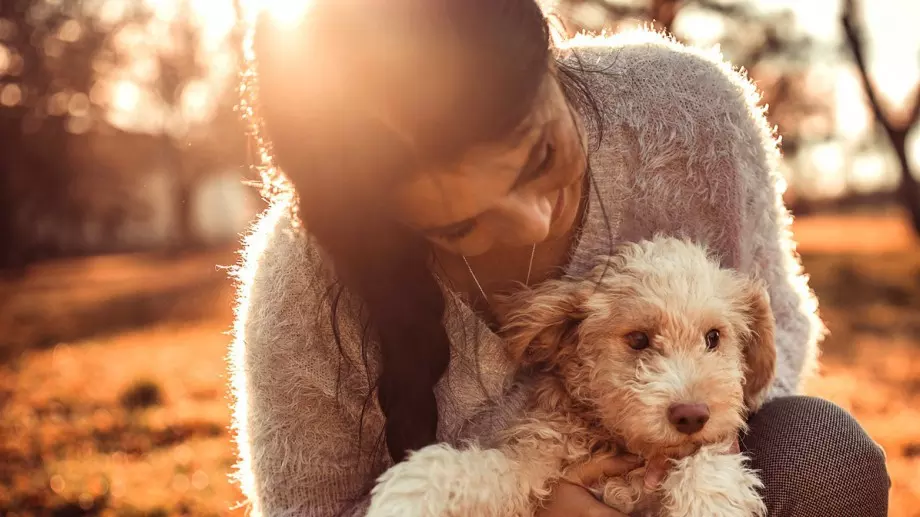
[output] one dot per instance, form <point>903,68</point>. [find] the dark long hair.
<point>357,95</point>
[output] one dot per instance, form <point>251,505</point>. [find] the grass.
<point>113,388</point>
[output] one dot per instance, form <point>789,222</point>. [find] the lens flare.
<point>286,13</point>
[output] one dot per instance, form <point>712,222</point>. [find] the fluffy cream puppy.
<point>660,352</point>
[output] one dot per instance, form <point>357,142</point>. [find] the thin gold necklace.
<point>533,251</point>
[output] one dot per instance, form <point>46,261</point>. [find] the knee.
<point>815,459</point>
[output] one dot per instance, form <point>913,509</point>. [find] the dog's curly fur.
<point>591,394</point>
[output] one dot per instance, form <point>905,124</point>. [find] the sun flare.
<point>285,13</point>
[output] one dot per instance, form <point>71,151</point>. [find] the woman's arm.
<point>298,403</point>
<point>698,159</point>
<point>768,251</point>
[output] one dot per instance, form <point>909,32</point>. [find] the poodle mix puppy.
<point>660,352</point>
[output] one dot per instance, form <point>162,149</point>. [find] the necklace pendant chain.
<point>533,252</point>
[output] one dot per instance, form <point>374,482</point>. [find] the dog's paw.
<point>625,493</point>
<point>713,483</point>
<point>440,481</point>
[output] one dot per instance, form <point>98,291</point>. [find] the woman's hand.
<point>570,497</point>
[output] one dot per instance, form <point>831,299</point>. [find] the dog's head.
<point>668,349</point>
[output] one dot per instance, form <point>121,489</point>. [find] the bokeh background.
<point>123,191</point>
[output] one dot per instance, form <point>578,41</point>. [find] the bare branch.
<point>854,40</point>
<point>664,12</point>
<point>908,189</point>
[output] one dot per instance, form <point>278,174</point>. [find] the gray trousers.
<point>816,461</point>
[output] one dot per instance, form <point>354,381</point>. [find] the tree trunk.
<point>183,189</point>
<point>908,188</point>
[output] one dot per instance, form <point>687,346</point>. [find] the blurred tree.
<point>895,126</point>
<point>35,111</point>
<point>72,176</point>
<point>177,68</point>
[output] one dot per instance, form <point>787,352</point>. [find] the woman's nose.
<point>523,218</point>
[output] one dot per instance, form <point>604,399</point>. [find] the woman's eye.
<point>545,165</point>
<point>712,339</point>
<point>638,340</point>
<point>459,232</point>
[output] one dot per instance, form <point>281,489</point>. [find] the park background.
<point>124,187</point>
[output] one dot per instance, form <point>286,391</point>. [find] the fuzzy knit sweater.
<point>686,151</point>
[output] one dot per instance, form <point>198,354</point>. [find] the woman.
<point>443,151</point>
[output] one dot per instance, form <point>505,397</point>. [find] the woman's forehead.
<point>444,194</point>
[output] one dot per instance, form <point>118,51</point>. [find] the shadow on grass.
<point>191,301</point>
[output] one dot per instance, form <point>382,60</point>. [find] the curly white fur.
<point>592,394</point>
<point>443,481</point>
<point>712,482</point>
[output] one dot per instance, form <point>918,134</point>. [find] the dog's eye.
<point>637,340</point>
<point>712,339</point>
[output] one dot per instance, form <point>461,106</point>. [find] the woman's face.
<point>514,193</point>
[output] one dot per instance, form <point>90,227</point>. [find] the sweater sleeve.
<point>768,252</point>
<point>297,393</point>
<point>698,159</point>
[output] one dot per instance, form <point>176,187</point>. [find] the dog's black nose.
<point>688,418</point>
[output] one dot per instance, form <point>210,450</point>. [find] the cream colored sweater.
<point>686,152</point>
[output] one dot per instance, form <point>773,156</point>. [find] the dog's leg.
<point>712,483</point>
<point>440,481</point>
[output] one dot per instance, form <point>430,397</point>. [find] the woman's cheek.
<point>569,169</point>
<point>477,243</point>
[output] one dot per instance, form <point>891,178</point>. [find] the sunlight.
<point>197,101</point>
<point>893,45</point>
<point>216,19</point>
<point>827,164</point>
<point>6,59</point>
<point>871,171</point>
<point>704,27</point>
<point>125,96</point>
<point>10,95</point>
<point>285,13</point>
<point>853,115</point>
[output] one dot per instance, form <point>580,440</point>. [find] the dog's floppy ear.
<point>536,321</point>
<point>759,345</point>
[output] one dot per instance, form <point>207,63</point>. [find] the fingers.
<point>601,510</point>
<point>574,501</point>
<point>591,472</point>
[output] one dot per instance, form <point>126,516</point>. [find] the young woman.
<point>442,151</point>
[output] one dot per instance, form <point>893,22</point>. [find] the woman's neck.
<point>502,270</point>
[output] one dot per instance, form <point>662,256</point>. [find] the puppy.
<point>659,352</point>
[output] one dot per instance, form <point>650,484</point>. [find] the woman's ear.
<point>537,321</point>
<point>759,345</point>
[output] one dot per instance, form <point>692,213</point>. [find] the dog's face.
<point>669,350</point>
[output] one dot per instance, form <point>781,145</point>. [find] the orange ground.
<point>118,406</point>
